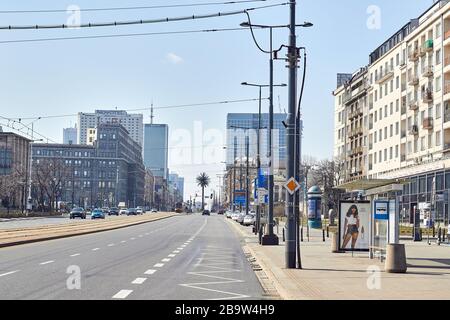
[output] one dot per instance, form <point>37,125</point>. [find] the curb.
<point>268,272</point>
<point>62,236</point>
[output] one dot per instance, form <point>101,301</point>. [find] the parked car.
<point>154,210</point>
<point>105,210</point>
<point>206,213</point>
<point>221,211</point>
<point>113,212</point>
<point>77,213</point>
<point>132,212</point>
<point>98,214</point>
<point>139,210</point>
<point>249,220</point>
<point>235,216</point>
<point>123,211</point>
<point>240,218</point>
<point>228,214</point>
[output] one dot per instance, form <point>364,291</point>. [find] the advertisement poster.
<point>354,226</point>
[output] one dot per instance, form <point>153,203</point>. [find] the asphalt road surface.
<point>188,257</point>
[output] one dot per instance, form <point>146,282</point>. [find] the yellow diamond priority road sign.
<point>292,186</point>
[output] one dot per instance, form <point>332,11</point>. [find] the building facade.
<point>14,169</point>
<point>70,135</point>
<point>156,151</point>
<point>133,123</point>
<point>237,137</point>
<point>406,119</point>
<point>105,174</point>
<point>178,182</point>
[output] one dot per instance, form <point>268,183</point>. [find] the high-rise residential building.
<point>132,122</point>
<point>242,128</point>
<point>156,151</point>
<point>392,117</point>
<point>70,135</point>
<point>107,173</point>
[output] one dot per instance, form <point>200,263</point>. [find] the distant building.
<point>178,183</point>
<point>104,174</point>
<point>70,135</point>
<point>132,122</point>
<point>236,138</point>
<point>14,168</point>
<point>156,152</point>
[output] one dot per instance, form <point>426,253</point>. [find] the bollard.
<point>328,231</point>
<point>434,232</point>
<point>335,243</point>
<point>420,232</point>
<point>323,235</point>
<point>284,239</point>
<point>301,233</point>
<point>439,234</point>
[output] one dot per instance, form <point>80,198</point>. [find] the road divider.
<point>12,237</point>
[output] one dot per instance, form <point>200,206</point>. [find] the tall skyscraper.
<point>70,135</point>
<point>156,153</point>
<point>236,138</point>
<point>178,181</point>
<point>132,122</point>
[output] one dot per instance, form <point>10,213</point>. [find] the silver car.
<point>249,220</point>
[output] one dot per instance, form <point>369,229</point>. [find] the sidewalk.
<point>326,275</point>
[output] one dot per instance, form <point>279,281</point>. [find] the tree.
<point>203,181</point>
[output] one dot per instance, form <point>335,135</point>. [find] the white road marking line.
<point>180,248</point>
<point>176,251</point>
<point>123,241</point>
<point>122,294</point>
<point>46,262</point>
<point>140,236</point>
<point>150,271</point>
<point>147,234</point>
<point>95,249</point>
<point>132,238</point>
<point>75,255</point>
<point>171,255</point>
<point>8,273</point>
<point>139,281</point>
<point>159,265</point>
<point>111,245</point>
<point>183,246</point>
<point>165,260</point>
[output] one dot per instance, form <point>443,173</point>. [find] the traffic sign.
<point>292,186</point>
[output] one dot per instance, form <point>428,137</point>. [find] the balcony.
<point>403,158</point>
<point>427,96</point>
<point>414,130</point>
<point>413,105</point>
<point>428,46</point>
<point>357,151</point>
<point>414,55</point>
<point>414,81</point>
<point>385,75</point>
<point>428,72</point>
<point>403,108</point>
<point>427,123</point>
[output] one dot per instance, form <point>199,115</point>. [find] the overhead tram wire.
<point>147,108</point>
<point>139,22</point>
<point>205,4</point>
<point>123,35</point>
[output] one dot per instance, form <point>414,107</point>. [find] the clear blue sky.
<point>62,77</point>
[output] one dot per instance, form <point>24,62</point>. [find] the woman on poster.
<point>351,227</point>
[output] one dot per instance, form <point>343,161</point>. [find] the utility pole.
<point>292,60</point>
<point>247,196</point>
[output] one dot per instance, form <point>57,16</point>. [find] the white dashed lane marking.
<point>165,260</point>
<point>176,251</point>
<point>159,265</point>
<point>123,241</point>
<point>111,245</point>
<point>46,262</point>
<point>8,273</point>
<point>122,294</point>
<point>95,249</point>
<point>150,271</point>
<point>75,255</point>
<point>139,280</point>
<point>171,255</point>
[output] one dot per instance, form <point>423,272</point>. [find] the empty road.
<point>184,257</point>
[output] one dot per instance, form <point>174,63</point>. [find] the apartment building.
<point>406,115</point>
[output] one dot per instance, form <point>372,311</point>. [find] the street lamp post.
<point>258,144</point>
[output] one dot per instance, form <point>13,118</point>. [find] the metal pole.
<point>270,238</point>
<point>247,195</point>
<point>258,164</point>
<point>292,57</point>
